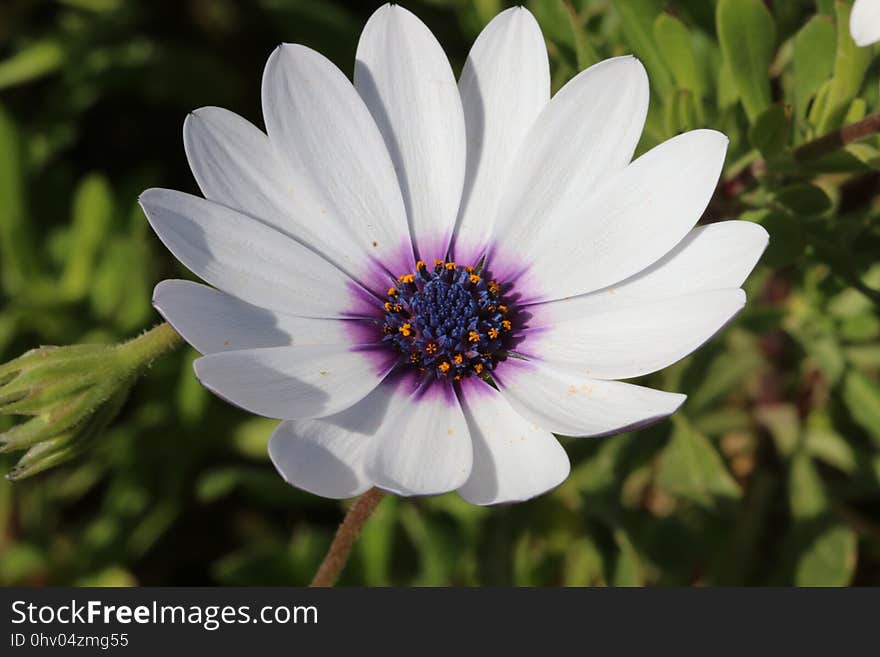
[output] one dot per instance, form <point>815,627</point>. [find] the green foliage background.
<point>770,474</point>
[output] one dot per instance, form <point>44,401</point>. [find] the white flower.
<point>864,22</point>
<point>391,246</point>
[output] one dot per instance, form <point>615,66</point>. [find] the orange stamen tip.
<point>450,266</point>
<point>493,333</point>
<point>392,291</point>
<point>444,366</point>
<point>473,336</point>
<point>474,278</point>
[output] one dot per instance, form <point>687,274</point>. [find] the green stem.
<point>140,352</point>
<point>839,138</point>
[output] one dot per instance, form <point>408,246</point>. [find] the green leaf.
<point>748,37</point>
<point>804,199</point>
<point>692,469</point>
<point>829,560</point>
<point>676,48</point>
<point>850,65</point>
<point>680,112</point>
<point>787,239</point>
<point>561,25</point>
<point>92,218</point>
<point>770,131</point>
<point>17,263</point>
<point>814,48</point>
<point>637,22</point>
<point>628,570</point>
<point>806,492</point>
<point>862,397</point>
<point>32,62</point>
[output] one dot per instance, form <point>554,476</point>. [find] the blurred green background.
<point>770,474</point>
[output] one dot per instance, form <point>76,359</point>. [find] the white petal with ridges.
<point>245,257</point>
<point>291,383</point>
<point>327,456</point>
<point>627,224</point>
<point>426,449</point>
<point>405,79</point>
<point>514,460</point>
<point>234,164</point>
<point>572,404</point>
<point>213,321</point>
<point>713,257</point>
<point>324,134</point>
<point>625,342</point>
<point>504,86</point>
<point>586,133</point>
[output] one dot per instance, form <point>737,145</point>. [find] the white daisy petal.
<point>713,257</point>
<point>514,460</point>
<point>405,79</point>
<point>328,141</point>
<point>572,404</point>
<point>504,86</point>
<point>864,22</point>
<point>246,258</point>
<point>291,383</point>
<point>327,456</point>
<point>234,164</point>
<point>427,447</point>
<point>324,459</point>
<point>628,223</point>
<point>629,341</point>
<point>212,321</point>
<point>586,134</point>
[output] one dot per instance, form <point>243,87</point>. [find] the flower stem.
<point>838,138</point>
<point>346,535</point>
<point>141,351</point>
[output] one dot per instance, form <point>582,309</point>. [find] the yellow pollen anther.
<point>506,324</point>
<point>473,336</point>
<point>420,264</point>
<point>458,359</point>
<point>406,330</point>
<point>502,309</point>
<point>387,306</point>
<point>457,377</point>
<point>478,368</point>
<point>493,333</point>
<point>494,287</point>
<point>392,291</point>
<point>431,348</point>
<point>469,269</point>
<point>406,278</point>
<point>437,263</point>
<point>450,266</point>
<point>444,366</point>
<point>397,307</point>
<point>474,279</point>
<point>413,358</point>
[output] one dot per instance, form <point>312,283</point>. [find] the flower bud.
<point>70,394</point>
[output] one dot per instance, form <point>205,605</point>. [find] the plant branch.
<point>838,138</point>
<point>346,536</point>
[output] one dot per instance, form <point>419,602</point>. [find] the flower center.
<point>449,321</point>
